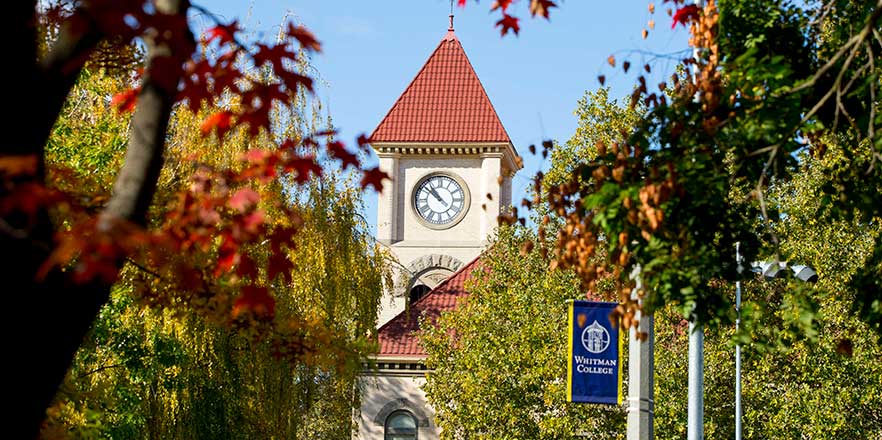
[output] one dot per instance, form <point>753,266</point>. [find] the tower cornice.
<point>512,160</point>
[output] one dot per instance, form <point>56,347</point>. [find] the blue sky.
<point>372,50</point>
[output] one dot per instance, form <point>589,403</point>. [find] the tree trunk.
<point>50,317</point>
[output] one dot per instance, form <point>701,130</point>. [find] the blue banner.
<point>594,373</point>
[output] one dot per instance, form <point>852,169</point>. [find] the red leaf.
<point>243,199</point>
<point>280,264</point>
<point>461,3</point>
<point>256,156</point>
<point>125,101</point>
<point>274,55</point>
<point>246,268</point>
<point>294,80</point>
<point>500,4</point>
<point>173,30</point>
<point>269,93</point>
<point>166,72</point>
<point>363,141</point>
<point>338,150</point>
<point>224,33</point>
<point>541,7</point>
<point>306,39</point>
<point>684,15</point>
<point>18,165</point>
<point>304,166</point>
<point>252,222</point>
<point>254,300</point>
<point>374,177</point>
<point>219,121</point>
<point>227,256</point>
<point>28,198</point>
<point>508,23</point>
<point>256,118</point>
<point>195,84</point>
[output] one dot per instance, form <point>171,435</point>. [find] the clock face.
<point>439,199</point>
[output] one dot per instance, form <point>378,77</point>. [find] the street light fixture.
<point>777,269</point>
<point>768,269</point>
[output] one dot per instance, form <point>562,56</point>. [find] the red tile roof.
<point>445,102</point>
<point>398,337</point>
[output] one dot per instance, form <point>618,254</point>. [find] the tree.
<point>63,272</point>
<point>145,372</point>
<point>163,372</point>
<point>766,82</point>
<point>499,363</point>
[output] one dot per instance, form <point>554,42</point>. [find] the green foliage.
<point>155,369</point>
<point>499,363</point>
<point>810,365</point>
<point>144,373</point>
<point>503,373</point>
<point>769,82</point>
<point>601,120</point>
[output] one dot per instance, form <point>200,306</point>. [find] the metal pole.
<point>695,415</point>
<point>641,403</point>
<point>738,345</point>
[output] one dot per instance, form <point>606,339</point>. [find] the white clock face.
<point>439,199</point>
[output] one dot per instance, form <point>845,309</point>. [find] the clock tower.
<point>451,163</point>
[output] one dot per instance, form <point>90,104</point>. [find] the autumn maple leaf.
<point>256,300</point>
<point>19,165</point>
<point>246,267</point>
<point>195,84</point>
<point>219,121</point>
<point>363,141</point>
<point>508,23</point>
<point>224,33</point>
<point>338,150</point>
<point>374,177</point>
<point>243,199</point>
<point>279,264</point>
<point>304,166</point>
<point>541,7</point>
<point>227,255</point>
<point>293,80</point>
<point>684,15</point>
<point>500,4</point>
<point>274,55</point>
<point>256,118</point>
<point>125,101</point>
<point>306,39</point>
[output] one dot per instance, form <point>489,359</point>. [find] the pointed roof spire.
<point>445,102</point>
<point>451,17</point>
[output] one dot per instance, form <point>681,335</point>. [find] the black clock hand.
<point>437,196</point>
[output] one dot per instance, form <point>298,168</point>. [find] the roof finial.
<point>451,16</point>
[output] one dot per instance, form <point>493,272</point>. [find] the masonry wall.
<point>410,240</point>
<point>383,393</point>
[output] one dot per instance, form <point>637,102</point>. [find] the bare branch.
<point>136,183</point>
<point>853,43</point>
<point>762,200</point>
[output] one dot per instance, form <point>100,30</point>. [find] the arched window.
<point>418,292</point>
<point>401,425</point>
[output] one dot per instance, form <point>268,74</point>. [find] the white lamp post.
<point>769,269</point>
